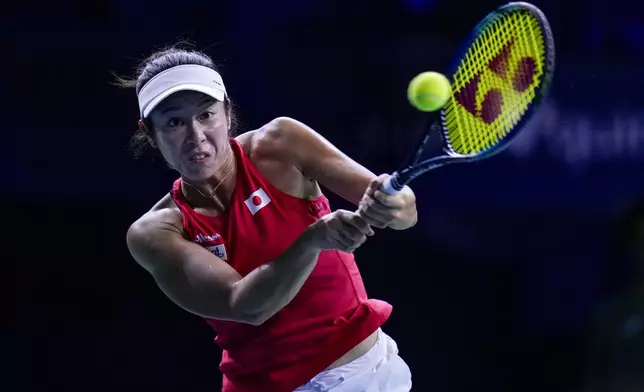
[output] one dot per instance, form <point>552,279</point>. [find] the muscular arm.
<point>320,160</point>
<point>317,158</point>
<point>205,285</point>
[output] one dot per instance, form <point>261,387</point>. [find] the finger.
<point>335,226</point>
<point>376,183</point>
<point>356,221</point>
<point>391,201</point>
<point>369,203</point>
<point>375,219</point>
<point>373,185</point>
<point>371,210</point>
<point>352,232</point>
<point>343,242</point>
<point>354,248</point>
<point>376,223</point>
<point>349,243</point>
<point>356,243</point>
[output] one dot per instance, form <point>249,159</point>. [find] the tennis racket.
<point>499,78</point>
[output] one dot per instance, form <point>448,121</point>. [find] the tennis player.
<point>246,239</point>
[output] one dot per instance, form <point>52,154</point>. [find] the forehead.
<point>184,100</point>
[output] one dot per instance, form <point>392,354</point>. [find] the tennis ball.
<point>429,91</point>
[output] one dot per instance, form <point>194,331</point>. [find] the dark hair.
<point>178,54</point>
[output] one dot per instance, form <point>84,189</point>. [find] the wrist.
<point>310,238</point>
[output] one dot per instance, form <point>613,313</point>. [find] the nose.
<point>196,133</point>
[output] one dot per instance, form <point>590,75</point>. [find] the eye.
<point>174,122</point>
<point>206,115</point>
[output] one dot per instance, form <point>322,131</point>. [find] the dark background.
<point>493,289</point>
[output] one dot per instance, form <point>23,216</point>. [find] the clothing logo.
<point>201,238</point>
<point>218,250</point>
<point>257,200</point>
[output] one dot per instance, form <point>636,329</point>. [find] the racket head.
<point>501,75</point>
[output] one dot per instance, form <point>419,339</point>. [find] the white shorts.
<point>378,370</point>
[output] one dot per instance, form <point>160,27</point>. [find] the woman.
<point>247,240</point>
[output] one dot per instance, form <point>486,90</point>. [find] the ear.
<point>229,112</point>
<point>151,141</point>
<point>148,134</point>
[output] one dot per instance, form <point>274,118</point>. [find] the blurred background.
<point>521,275</point>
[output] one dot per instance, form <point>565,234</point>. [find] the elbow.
<point>230,314</point>
<point>244,310</point>
<point>255,321</point>
<point>263,317</point>
<point>251,318</point>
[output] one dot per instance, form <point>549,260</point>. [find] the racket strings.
<point>495,83</point>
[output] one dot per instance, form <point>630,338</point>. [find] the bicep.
<point>322,161</point>
<point>188,274</point>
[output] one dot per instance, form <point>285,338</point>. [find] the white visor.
<point>180,78</point>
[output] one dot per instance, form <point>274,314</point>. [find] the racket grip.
<point>391,186</point>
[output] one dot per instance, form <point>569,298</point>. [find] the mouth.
<point>199,156</point>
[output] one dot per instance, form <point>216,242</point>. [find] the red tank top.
<point>331,313</point>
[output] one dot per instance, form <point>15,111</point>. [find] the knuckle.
<point>353,235</point>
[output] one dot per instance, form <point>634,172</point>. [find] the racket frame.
<point>412,168</point>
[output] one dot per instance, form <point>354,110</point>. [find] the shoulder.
<point>277,139</point>
<point>164,212</point>
<point>153,231</point>
<point>154,219</point>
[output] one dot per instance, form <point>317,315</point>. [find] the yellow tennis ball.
<point>429,91</point>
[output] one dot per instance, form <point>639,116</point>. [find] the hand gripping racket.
<point>498,81</point>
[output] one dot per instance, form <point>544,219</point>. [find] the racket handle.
<point>391,186</point>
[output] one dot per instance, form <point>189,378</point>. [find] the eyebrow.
<point>207,100</point>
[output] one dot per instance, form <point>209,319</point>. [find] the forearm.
<point>270,287</point>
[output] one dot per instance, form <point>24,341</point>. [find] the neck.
<point>216,191</point>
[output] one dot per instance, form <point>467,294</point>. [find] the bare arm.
<point>320,160</point>
<point>317,158</point>
<point>205,285</point>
